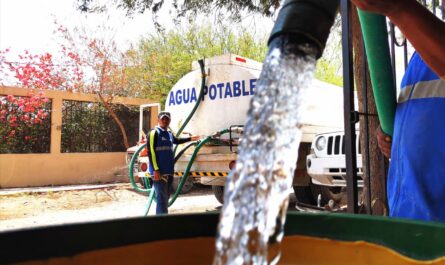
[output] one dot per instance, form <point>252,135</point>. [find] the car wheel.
<point>304,194</point>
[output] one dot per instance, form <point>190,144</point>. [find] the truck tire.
<point>304,194</point>
<point>333,193</point>
<point>188,185</point>
<point>218,191</point>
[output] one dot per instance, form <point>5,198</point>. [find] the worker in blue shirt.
<point>160,153</point>
<point>416,178</point>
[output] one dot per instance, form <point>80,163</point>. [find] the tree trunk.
<point>374,170</point>
<point>116,119</point>
<point>107,105</point>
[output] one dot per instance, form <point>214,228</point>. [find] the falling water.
<point>257,193</point>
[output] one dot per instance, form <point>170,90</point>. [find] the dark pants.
<point>162,191</point>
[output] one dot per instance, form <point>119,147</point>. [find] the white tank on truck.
<point>231,82</point>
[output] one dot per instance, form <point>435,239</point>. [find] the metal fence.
<point>399,44</point>
<point>89,127</point>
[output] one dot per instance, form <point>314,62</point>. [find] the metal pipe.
<point>348,99</point>
<point>305,21</point>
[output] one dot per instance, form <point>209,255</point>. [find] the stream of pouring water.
<point>257,192</point>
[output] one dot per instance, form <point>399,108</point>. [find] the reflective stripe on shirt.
<point>152,150</point>
<point>423,89</point>
<point>164,148</point>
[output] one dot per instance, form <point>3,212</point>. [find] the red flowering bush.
<point>79,54</point>
<point>24,124</point>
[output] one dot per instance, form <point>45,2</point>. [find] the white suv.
<point>326,164</point>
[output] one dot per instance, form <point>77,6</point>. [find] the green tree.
<point>161,59</point>
<point>235,8</point>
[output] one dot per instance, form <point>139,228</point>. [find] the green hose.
<point>189,165</point>
<point>150,200</point>
<point>201,93</point>
<point>377,50</point>
<point>130,170</point>
<point>183,179</point>
<point>136,154</point>
<point>151,196</point>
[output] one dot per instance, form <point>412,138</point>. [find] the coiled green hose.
<point>183,180</point>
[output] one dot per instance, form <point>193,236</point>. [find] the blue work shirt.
<point>416,179</point>
<point>160,150</point>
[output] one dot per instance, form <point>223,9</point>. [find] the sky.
<point>29,24</point>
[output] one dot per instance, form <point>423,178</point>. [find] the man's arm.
<point>185,139</point>
<point>422,28</point>
<point>384,142</point>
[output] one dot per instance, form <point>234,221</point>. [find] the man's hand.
<point>385,7</point>
<point>195,137</point>
<point>384,142</point>
<point>157,175</point>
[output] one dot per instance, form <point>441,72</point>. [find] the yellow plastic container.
<point>190,239</point>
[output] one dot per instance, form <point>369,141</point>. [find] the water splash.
<point>257,193</point>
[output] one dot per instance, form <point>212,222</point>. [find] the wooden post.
<point>56,125</point>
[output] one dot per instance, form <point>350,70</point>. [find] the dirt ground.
<point>29,208</point>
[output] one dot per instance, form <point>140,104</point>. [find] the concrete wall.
<point>56,168</point>
<point>27,170</point>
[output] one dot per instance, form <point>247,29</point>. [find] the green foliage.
<point>328,72</point>
<point>329,66</point>
<point>161,60</point>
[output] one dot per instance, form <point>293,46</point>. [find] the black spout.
<point>305,21</point>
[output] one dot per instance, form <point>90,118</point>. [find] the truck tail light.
<point>232,164</point>
<point>144,167</point>
<point>239,59</point>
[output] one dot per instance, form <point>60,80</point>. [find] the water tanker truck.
<point>230,83</point>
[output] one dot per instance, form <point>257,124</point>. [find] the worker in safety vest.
<point>160,153</point>
<point>416,179</point>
